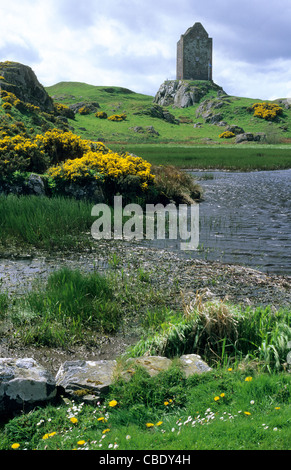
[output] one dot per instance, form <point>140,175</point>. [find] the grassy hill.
<point>137,108</point>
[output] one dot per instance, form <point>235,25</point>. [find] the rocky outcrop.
<point>25,384</point>
<point>184,93</point>
<point>208,109</point>
<point>249,137</point>
<point>22,81</point>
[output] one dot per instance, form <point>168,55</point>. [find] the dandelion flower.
<point>216,398</point>
<point>247,413</point>
<point>149,425</point>
<point>81,443</point>
<point>229,369</point>
<point>222,395</point>
<point>105,431</point>
<point>113,403</point>
<point>159,423</point>
<point>15,445</point>
<point>277,407</point>
<point>166,403</point>
<point>74,420</point>
<point>248,379</point>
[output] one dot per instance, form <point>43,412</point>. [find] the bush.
<point>226,135</point>
<point>101,115</point>
<point>117,117</point>
<point>268,111</point>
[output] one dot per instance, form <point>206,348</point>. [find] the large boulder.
<point>184,93</point>
<point>24,384</point>
<point>22,81</point>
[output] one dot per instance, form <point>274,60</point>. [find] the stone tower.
<point>194,54</point>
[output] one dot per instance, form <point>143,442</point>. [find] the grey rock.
<point>81,378</point>
<point>24,384</point>
<point>22,81</point>
<point>193,364</point>
<point>183,93</point>
<point>245,137</point>
<point>235,129</point>
<point>35,185</point>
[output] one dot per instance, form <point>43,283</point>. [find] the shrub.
<point>226,135</point>
<point>117,117</point>
<point>268,111</point>
<point>104,165</point>
<point>84,110</point>
<point>101,115</point>
<point>20,153</point>
<point>174,184</point>
<point>63,110</point>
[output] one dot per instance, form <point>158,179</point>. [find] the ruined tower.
<point>194,54</point>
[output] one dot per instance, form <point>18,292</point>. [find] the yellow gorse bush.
<point>226,135</point>
<point>268,111</point>
<point>100,165</point>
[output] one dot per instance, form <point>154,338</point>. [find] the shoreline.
<point>180,280</point>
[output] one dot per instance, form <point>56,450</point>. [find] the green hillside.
<point>141,114</point>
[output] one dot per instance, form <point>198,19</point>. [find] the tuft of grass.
<point>222,334</point>
<point>69,306</point>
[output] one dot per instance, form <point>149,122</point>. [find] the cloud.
<point>132,43</point>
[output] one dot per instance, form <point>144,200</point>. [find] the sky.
<point>133,43</point>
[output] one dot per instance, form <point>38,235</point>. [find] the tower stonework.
<point>194,54</point>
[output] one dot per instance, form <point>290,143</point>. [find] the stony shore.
<point>181,278</point>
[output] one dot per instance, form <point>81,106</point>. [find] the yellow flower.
<point>113,403</point>
<point>105,431</point>
<point>248,379</point>
<point>81,443</point>
<point>247,413</point>
<point>15,445</point>
<point>74,420</point>
<point>222,395</point>
<point>216,398</point>
<point>277,407</point>
<point>229,369</point>
<point>166,403</point>
<point>101,419</point>
<point>159,423</point>
<point>149,425</point>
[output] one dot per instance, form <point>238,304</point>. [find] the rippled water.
<point>245,218</point>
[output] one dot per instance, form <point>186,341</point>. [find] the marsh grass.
<point>231,157</point>
<point>44,222</point>
<point>66,309</point>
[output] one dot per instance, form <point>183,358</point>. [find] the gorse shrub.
<point>101,115</point>
<point>226,135</point>
<point>267,111</point>
<point>117,117</point>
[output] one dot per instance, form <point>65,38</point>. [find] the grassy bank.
<point>227,157</point>
<point>220,410</point>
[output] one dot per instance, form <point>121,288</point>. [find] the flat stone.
<point>86,377</point>
<point>193,364</point>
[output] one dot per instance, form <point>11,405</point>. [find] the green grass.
<point>42,222</point>
<point>166,412</point>
<point>215,157</point>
